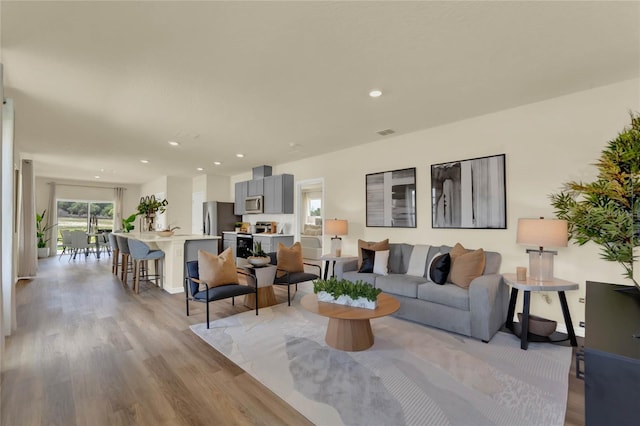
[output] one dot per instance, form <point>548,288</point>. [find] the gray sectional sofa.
<point>479,311</point>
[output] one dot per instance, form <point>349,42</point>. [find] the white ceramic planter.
<point>43,252</point>
<point>360,302</point>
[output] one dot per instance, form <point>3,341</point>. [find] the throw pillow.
<point>217,270</point>
<point>289,259</point>
<point>418,260</point>
<point>380,245</point>
<point>381,262</point>
<point>435,256</point>
<point>467,267</point>
<point>368,261</point>
<point>439,269</point>
<point>455,252</point>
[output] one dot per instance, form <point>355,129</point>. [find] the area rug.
<point>413,374</point>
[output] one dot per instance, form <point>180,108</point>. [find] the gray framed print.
<point>391,198</point>
<point>469,194</point>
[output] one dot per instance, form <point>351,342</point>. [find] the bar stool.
<point>123,247</point>
<point>141,254</point>
<point>115,261</point>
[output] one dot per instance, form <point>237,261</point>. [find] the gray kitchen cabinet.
<point>229,240</point>
<point>270,244</point>
<point>255,187</point>
<point>278,194</point>
<point>241,193</point>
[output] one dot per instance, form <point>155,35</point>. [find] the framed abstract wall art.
<point>391,198</point>
<point>469,194</point>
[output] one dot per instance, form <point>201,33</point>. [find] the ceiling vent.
<point>386,132</point>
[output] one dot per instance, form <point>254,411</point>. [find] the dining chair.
<point>79,242</point>
<point>66,242</point>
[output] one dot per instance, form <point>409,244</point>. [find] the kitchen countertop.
<point>153,237</point>
<point>258,235</point>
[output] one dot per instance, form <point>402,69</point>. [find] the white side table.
<point>266,296</point>
<point>527,287</point>
<point>332,258</point>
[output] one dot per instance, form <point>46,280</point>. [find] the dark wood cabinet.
<point>611,355</point>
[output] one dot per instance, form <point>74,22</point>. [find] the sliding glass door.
<point>80,214</point>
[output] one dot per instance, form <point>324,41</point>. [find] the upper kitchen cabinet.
<point>242,191</point>
<point>278,194</point>
<point>255,187</point>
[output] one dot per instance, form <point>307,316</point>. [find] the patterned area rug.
<point>412,375</point>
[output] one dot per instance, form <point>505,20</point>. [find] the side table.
<point>266,296</point>
<point>522,329</point>
<point>327,258</point>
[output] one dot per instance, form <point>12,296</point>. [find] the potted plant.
<point>148,207</point>
<point>605,211</point>
<point>41,234</point>
<point>258,256</point>
<point>127,224</point>
<point>344,292</point>
<point>237,226</point>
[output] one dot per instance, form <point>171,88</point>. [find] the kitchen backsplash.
<point>285,221</point>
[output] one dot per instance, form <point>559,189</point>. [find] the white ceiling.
<point>97,86</point>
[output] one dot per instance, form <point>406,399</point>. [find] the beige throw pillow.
<point>370,245</point>
<point>289,259</point>
<point>466,268</point>
<point>217,270</point>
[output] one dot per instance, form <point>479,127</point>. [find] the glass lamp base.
<point>541,265</point>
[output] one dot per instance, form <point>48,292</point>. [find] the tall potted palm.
<point>606,211</point>
<point>41,234</point>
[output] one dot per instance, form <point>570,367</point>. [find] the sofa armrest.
<point>342,267</point>
<point>488,300</point>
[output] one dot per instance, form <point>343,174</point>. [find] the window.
<point>79,215</point>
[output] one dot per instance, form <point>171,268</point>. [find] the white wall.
<point>546,144</point>
<point>179,208</point>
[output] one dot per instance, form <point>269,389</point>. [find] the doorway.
<point>310,218</point>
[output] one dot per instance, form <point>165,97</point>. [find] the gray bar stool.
<point>115,261</point>
<point>141,253</point>
<point>123,247</point>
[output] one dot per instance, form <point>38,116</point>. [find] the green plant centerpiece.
<point>258,256</point>
<point>148,207</point>
<point>41,234</point>
<point>605,211</point>
<point>127,223</point>
<point>344,292</point>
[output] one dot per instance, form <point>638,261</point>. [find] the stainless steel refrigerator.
<point>218,216</point>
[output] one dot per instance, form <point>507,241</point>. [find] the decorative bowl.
<point>165,233</point>
<point>540,326</point>
<point>258,261</point>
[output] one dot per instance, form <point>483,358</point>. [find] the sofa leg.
<point>485,341</point>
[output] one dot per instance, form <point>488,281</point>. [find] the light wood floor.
<point>90,352</point>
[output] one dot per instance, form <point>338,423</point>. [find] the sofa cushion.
<point>380,245</point>
<point>439,269</point>
<point>466,268</point>
<point>447,294</point>
<point>400,284</point>
<point>359,276</point>
<point>399,256</point>
<point>418,259</point>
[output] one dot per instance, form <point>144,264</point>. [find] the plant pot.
<point>540,326</point>
<point>43,252</point>
<point>258,261</point>
<point>360,302</point>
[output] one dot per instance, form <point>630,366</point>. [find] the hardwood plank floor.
<point>88,351</point>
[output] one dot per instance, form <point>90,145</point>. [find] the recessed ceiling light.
<point>240,155</point>
<point>101,170</point>
<point>375,93</point>
<point>97,177</point>
<point>199,169</point>
<point>216,163</point>
<point>144,161</point>
<point>174,143</point>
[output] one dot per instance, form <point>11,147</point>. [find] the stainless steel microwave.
<point>253,204</point>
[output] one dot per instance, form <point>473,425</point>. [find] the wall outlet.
<point>581,324</point>
<point>581,300</point>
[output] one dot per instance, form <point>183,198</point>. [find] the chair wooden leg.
<point>125,268</point>
<point>136,275</point>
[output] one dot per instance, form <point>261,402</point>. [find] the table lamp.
<point>336,227</point>
<point>542,233</point>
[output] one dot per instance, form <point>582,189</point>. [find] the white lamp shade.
<point>335,227</point>
<point>542,232</point>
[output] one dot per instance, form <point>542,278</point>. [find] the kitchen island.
<point>178,249</point>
